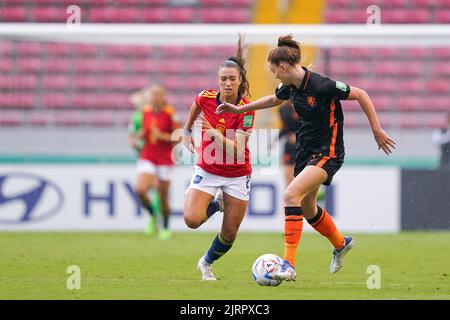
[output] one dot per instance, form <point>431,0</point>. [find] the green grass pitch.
<point>413,265</point>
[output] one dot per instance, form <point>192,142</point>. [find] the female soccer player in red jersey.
<point>224,161</point>
<point>155,159</point>
<point>320,146</point>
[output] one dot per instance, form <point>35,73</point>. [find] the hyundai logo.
<point>26,197</point>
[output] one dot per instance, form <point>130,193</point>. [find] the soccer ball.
<point>262,268</point>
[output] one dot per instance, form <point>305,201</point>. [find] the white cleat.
<point>219,199</point>
<point>205,269</point>
<point>284,271</point>
<point>338,255</point>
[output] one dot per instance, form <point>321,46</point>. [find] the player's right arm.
<point>187,129</point>
<point>262,103</point>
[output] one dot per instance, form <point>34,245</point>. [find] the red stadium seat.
<point>86,82</point>
<point>444,3</point>
<point>145,66</point>
<point>29,49</point>
<point>230,3</point>
<point>339,3</point>
<point>40,118</point>
<point>100,119</point>
<point>222,15</point>
<point>22,100</point>
<point>406,16</point>
<point>30,65</point>
<point>435,121</point>
<point>382,103</point>
<point>11,118</point>
<point>173,51</point>
<point>440,69</point>
<point>443,16</point>
<point>118,14</point>
<point>181,15</point>
<point>112,65</point>
<point>57,82</point>
<point>438,103</point>
<point>409,86</point>
<point>410,103</point>
<point>415,53</point>
<point>87,65</point>
<point>401,4</point>
<point>60,65</point>
<point>423,3</point>
<point>59,49</point>
<point>68,119</point>
<point>338,16</point>
<point>83,100</point>
<point>6,64</point>
<point>49,14</point>
<point>13,14</point>
<point>53,100</point>
<point>158,15</point>
<point>408,121</point>
<point>443,52</point>
<point>438,86</point>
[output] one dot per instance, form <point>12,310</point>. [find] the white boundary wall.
<point>99,197</point>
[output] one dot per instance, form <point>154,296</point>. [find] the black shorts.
<point>330,165</point>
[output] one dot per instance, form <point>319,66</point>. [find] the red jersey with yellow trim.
<point>157,151</point>
<point>214,159</point>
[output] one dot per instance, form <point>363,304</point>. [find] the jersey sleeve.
<point>246,122</point>
<point>335,89</point>
<point>135,123</point>
<point>283,92</point>
<point>199,98</point>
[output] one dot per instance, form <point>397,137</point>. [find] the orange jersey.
<point>157,151</point>
<point>228,123</point>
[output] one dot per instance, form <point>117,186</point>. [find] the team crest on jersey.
<point>197,179</point>
<point>311,101</point>
<point>221,128</point>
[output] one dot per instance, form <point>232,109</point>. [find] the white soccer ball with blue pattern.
<point>262,268</point>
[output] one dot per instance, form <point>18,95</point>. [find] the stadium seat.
<point>11,118</point>
<point>59,49</point>
<point>100,119</point>
<point>29,65</point>
<point>57,82</point>
<point>438,86</point>
<point>85,82</point>
<point>54,100</point>
<point>49,14</point>
<point>222,15</point>
<point>181,15</point>
<point>68,119</point>
<point>26,49</point>
<point>408,121</point>
<point>13,14</point>
<point>40,118</point>
<point>60,65</point>
<point>115,14</point>
<point>411,103</point>
<point>443,16</point>
<point>155,15</point>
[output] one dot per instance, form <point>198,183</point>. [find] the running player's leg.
<point>306,182</point>
<point>195,206</point>
<point>234,212</point>
<point>145,182</point>
<point>163,191</point>
<point>322,222</point>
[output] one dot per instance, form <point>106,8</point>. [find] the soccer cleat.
<point>164,234</point>
<point>151,228</point>
<point>284,271</point>
<point>219,199</point>
<point>338,255</point>
<point>205,269</point>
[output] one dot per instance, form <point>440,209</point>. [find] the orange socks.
<point>293,226</point>
<point>324,224</point>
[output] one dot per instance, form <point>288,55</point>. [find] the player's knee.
<point>140,192</point>
<point>191,221</point>
<point>291,198</point>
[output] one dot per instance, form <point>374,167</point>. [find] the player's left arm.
<point>381,137</point>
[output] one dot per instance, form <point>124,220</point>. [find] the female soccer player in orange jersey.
<point>155,159</point>
<point>224,161</point>
<point>320,146</point>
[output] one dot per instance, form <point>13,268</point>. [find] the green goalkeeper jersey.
<point>135,127</point>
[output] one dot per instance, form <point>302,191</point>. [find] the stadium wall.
<point>88,197</point>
